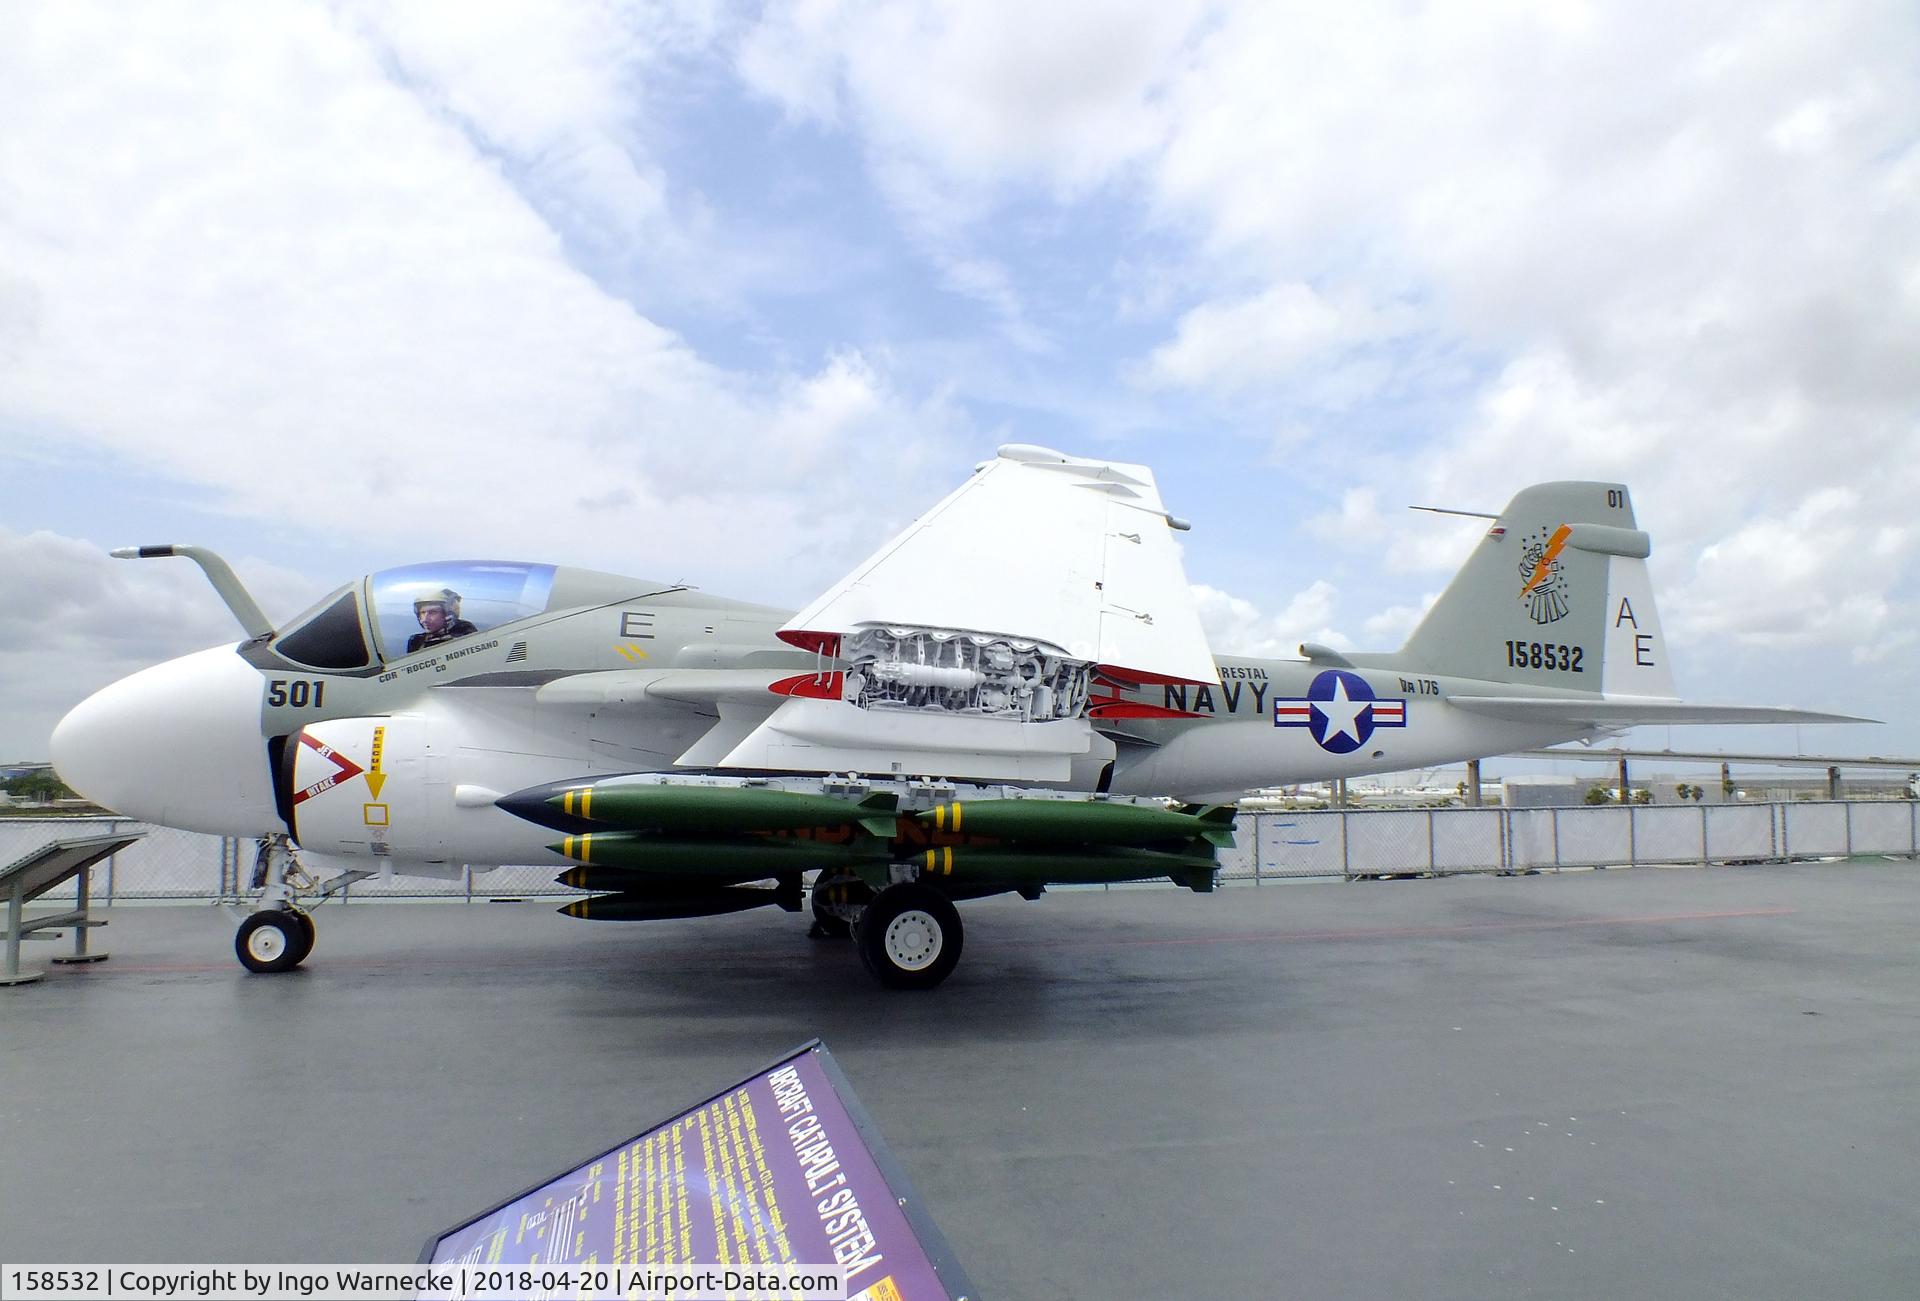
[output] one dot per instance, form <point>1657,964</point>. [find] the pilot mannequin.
<point>439,617</point>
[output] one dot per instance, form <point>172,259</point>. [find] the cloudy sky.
<point>720,294</point>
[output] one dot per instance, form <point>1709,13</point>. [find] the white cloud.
<point>324,266</point>
<point>980,94</point>
<point>75,619</point>
<point>1675,248</point>
<point>564,95</point>
<point>244,256</point>
<point>959,104</point>
<point>1808,578</point>
<point>1392,626</point>
<point>1236,626</point>
<point>1358,519</point>
<point>1682,248</point>
<point>1264,340</point>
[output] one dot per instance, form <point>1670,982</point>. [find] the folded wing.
<point>967,645</point>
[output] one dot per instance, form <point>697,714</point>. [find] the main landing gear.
<point>279,936</point>
<point>909,936</point>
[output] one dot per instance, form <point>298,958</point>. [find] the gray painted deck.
<point>1650,1082</point>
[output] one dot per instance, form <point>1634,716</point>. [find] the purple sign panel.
<point>776,1170</point>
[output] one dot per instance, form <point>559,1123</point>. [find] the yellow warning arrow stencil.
<point>375,778</point>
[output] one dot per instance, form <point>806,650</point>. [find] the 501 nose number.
<point>1545,655</point>
<point>296,694</point>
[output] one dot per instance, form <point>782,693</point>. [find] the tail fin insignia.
<point>1545,588</point>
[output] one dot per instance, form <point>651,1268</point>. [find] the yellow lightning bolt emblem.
<point>1555,545</point>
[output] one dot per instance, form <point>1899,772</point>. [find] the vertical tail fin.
<point>1555,595</point>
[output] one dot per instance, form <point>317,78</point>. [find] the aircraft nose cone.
<point>178,744</point>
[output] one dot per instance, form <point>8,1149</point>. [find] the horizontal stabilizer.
<point>1629,712</point>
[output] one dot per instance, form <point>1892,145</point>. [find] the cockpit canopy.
<point>398,612</point>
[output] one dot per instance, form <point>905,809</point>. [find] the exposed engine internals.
<point>964,673</point>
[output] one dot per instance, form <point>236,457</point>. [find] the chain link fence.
<point>1417,842</point>
<point>1349,843</point>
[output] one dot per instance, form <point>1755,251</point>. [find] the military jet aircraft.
<point>1014,692</point>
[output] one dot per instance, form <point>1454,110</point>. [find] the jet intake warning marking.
<point>345,769</point>
<point>1340,711</point>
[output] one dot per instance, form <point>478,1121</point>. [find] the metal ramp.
<point>28,878</point>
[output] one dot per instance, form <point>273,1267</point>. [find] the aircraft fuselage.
<point>402,760</point>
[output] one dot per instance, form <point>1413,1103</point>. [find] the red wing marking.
<point>816,686</point>
<point>1115,707</point>
<point>820,643</point>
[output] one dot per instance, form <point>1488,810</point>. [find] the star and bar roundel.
<point>1340,711</point>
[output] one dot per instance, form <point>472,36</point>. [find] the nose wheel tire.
<point>274,940</point>
<point>305,919</point>
<point>909,937</point>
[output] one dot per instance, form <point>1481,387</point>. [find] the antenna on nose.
<point>220,574</point>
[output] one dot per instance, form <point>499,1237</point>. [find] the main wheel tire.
<point>271,941</point>
<point>909,937</point>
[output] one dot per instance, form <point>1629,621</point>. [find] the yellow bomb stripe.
<point>940,860</point>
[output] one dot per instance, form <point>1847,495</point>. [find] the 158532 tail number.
<point>1545,655</point>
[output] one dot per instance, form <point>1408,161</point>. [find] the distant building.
<point>1813,786</point>
<point>1543,792</point>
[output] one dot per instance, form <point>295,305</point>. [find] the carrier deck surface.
<point>1648,1082</point>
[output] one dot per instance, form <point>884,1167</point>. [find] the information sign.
<point>783,1168</point>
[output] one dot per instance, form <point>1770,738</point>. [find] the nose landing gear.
<point>279,936</point>
<point>274,940</point>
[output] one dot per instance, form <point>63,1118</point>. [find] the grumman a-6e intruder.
<point>1012,693</point>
